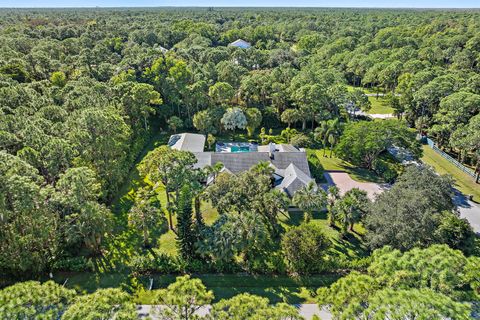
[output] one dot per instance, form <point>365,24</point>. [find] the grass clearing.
<point>332,163</point>
<point>372,90</point>
<point>379,106</point>
<point>463,182</point>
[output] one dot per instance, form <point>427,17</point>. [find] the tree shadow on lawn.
<point>296,218</point>
<point>351,246</point>
<point>276,288</point>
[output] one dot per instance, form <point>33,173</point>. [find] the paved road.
<point>468,210</point>
<point>306,310</point>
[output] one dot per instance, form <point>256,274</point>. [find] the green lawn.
<point>277,288</point>
<point>366,90</point>
<point>332,163</point>
<point>379,106</point>
<point>463,182</point>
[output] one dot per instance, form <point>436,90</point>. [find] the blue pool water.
<point>240,149</point>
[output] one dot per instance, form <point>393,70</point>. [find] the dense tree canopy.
<point>86,95</point>
<point>34,300</point>
<point>416,283</point>
<point>412,213</point>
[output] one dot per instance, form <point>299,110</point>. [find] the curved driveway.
<point>345,183</point>
<point>466,208</point>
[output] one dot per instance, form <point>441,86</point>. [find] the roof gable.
<point>294,179</point>
<point>240,44</point>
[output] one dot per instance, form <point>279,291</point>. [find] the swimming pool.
<point>240,149</point>
<point>236,147</point>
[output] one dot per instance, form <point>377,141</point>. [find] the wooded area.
<point>88,98</point>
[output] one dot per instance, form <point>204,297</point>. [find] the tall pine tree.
<point>186,235</point>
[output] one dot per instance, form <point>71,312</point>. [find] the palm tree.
<point>310,198</point>
<point>264,168</point>
<point>213,170</point>
<point>332,197</point>
<point>328,132</point>
<point>351,208</point>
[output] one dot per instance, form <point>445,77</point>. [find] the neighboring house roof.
<point>162,49</point>
<point>293,179</point>
<point>187,142</point>
<point>240,44</point>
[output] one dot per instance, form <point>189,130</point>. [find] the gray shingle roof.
<point>293,179</point>
<point>242,161</point>
<point>289,162</point>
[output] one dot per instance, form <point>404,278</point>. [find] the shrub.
<point>301,140</point>
<point>386,170</point>
<point>304,248</point>
<point>160,263</point>
<point>316,168</point>
<point>75,264</point>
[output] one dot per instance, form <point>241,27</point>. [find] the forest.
<point>89,98</point>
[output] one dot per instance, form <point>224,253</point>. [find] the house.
<point>291,171</point>
<point>240,44</point>
<point>187,142</point>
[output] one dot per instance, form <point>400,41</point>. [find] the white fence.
<point>457,164</point>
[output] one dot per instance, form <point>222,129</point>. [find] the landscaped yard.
<point>463,182</point>
<point>278,288</point>
<point>126,243</point>
<point>332,163</point>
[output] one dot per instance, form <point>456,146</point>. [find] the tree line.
<point>436,282</point>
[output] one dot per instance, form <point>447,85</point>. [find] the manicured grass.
<point>336,164</point>
<point>350,247</point>
<point>463,182</point>
<point>379,106</point>
<point>366,90</point>
<point>277,288</point>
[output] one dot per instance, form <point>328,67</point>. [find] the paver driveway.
<point>467,209</point>
<point>345,183</point>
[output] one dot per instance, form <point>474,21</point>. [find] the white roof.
<point>240,44</point>
<point>187,142</point>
